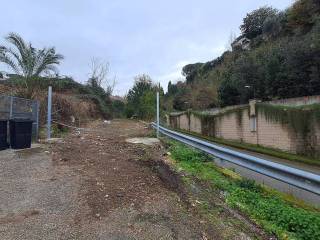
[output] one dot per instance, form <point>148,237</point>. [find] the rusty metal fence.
<point>14,107</point>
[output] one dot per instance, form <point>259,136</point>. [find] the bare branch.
<point>99,75</point>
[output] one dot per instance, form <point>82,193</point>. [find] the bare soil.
<point>95,185</point>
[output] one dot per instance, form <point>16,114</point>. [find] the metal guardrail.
<point>292,176</point>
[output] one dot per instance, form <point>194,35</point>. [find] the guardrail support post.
<point>49,112</point>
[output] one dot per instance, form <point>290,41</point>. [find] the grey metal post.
<point>11,107</point>
<point>10,115</point>
<point>49,112</point>
<point>37,120</point>
<point>158,114</point>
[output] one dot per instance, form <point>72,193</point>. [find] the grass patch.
<point>56,131</point>
<point>269,209</point>
<point>257,148</point>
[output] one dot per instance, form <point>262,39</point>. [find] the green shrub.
<point>249,185</point>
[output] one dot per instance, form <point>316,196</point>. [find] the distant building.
<point>241,43</point>
<point>117,98</point>
<point>4,76</point>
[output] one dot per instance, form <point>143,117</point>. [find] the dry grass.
<point>65,106</point>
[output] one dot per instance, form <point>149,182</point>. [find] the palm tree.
<point>27,61</point>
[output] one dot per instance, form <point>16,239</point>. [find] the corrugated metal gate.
<point>14,107</point>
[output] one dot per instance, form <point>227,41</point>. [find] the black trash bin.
<point>3,134</point>
<point>20,133</point>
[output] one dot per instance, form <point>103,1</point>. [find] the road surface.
<point>95,185</point>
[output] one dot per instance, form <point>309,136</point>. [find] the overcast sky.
<point>134,36</point>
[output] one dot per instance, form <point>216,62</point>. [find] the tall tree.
<point>141,98</point>
<point>143,83</point>
<point>27,61</point>
<point>253,23</point>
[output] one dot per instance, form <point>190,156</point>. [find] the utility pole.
<point>49,113</point>
<point>158,114</point>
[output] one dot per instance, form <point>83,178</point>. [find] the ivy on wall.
<point>300,120</point>
<point>208,121</point>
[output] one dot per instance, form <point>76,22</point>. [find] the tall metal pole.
<point>158,114</point>
<point>37,120</point>
<point>49,112</point>
<point>11,107</point>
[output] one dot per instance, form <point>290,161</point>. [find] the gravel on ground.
<point>93,184</point>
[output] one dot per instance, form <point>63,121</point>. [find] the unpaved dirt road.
<point>94,185</point>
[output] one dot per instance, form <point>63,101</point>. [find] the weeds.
<point>276,215</point>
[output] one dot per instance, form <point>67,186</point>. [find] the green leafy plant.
<point>28,62</point>
<point>141,98</point>
<point>288,220</point>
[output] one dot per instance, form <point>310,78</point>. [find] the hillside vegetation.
<point>70,98</point>
<point>276,56</point>
<point>36,69</point>
<point>67,95</point>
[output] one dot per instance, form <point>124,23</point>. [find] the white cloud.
<point>206,54</point>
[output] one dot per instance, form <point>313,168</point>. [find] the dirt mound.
<point>4,89</point>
